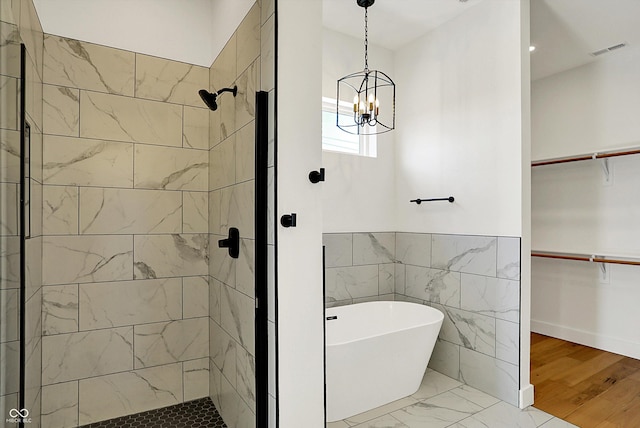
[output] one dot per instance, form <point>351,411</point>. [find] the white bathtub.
<point>377,352</point>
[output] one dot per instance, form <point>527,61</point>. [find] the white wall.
<point>459,124</point>
<point>356,186</point>
<point>590,108</point>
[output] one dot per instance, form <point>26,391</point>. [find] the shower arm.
<point>233,90</point>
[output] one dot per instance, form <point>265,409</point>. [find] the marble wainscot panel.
<point>473,331</point>
<point>60,309</point>
<point>373,248</point>
<point>196,379</point>
<point>60,405</point>
<point>491,375</point>
<point>496,297</point>
<point>195,131</point>
<point>61,110</point>
<point>114,304</point>
<point>508,263</point>
<point>88,258</point>
<point>413,249</point>
<point>195,212</point>
<point>69,62</point>
<point>467,254</point>
<point>170,168</point>
<point>433,285</point>
<point>60,210</point>
<point>118,211</point>
<point>161,256</point>
<point>351,282</point>
<point>114,117</point>
<point>338,249</point>
<point>169,81</point>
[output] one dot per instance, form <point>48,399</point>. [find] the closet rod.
<point>584,258</point>
<point>587,157</point>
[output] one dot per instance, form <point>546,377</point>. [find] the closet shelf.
<point>594,257</point>
<point>597,155</point>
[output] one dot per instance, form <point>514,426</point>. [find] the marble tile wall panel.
<point>351,282</point>
<point>129,211</point>
<point>373,248</point>
<point>338,249</point>
<point>60,405</point>
<point>245,268</point>
<point>468,329</point>
<point>33,385</point>
<point>36,154</point>
<point>223,352</point>
<point>9,49</point>
<point>9,113</point>
<point>223,70</point>
<point>33,93</point>
<point>31,33</point>
<point>245,102</point>
<point>60,309</point>
<point>214,128</point>
<point>400,279</point>
<point>8,215</point>
<point>85,162</point>
<point>195,374</point>
<point>248,38</point>
<point>120,394</point>
<point>162,256</point>
<point>440,411</point>
<point>9,319</point>
<point>467,254</point>
<point>508,262</point>
<point>237,209</point>
<point>77,64</point>
<point>89,258</point>
<point>195,297</point>
<point>113,117</point>
<point>10,357</point>
<point>495,297</point>
<point>413,249</point>
<point>195,212</point>
<point>166,168</point>
<point>215,288</point>
<point>169,81</point>
<point>61,110</point>
<point>221,266</point>
<point>10,154</point>
<point>508,341</point>
<point>386,279</point>
<point>60,210</point>
<point>246,377</point>
<point>171,342</point>
<point>86,354</point>
<point>33,276</point>
<point>237,317</point>
<point>233,409</point>
<point>222,164</point>
<point>433,285</point>
<point>245,153</point>
<point>446,358</point>
<point>493,376</point>
<point>114,304</point>
<point>195,127</point>
<point>267,56</point>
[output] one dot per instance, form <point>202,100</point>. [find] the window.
<point>335,139</point>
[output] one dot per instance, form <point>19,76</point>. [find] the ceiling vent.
<point>609,49</point>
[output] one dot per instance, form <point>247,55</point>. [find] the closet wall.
<point>578,207</point>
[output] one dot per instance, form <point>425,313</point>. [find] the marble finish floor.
<point>444,402</point>
<point>192,414</point>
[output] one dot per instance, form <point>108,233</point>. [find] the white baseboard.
<point>598,341</point>
<point>525,397</point>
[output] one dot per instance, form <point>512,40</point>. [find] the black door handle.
<point>232,242</point>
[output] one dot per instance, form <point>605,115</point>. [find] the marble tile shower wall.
<point>125,248</point>
<point>19,23</point>
<point>473,280</point>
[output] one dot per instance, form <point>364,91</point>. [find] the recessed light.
<point>532,48</point>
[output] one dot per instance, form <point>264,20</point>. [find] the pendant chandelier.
<point>371,92</point>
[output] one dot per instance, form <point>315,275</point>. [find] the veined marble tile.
<point>9,320</point>
<point>471,330</point>
<point>248,38</point>
<point>440,411</point>
<point>373,248</point>
<point>557,423</point>
<point>221,266</point>
<point>114,117</point>
<point>508,258</point>
<point>237,209</point>
<point>351,282</point>
<point>195,131</point>
<point>223,352</point>
<point>88,258</point>
<point>86,354</point>
<point>475,396</point>
<point>233,409</point>
<point>60,210</point>
<point>494,297</point>
<point>9,113</point>
<point>215,288</point>
<point>32,34</point>
<point>10,359</point>
<point>215,211</point>
<point>9,48</point>
<point>386,421</point>
<point>170,168</point>
<point>35,211</point>
<point>195,297</point>
<point>61,110</point>
<point>10,154</point>
<point>503,415</point>
<point>434,383</point>
<point>33,93</point>
<point>120,394</point>
<point>69,62</point>
<point>338,249</point>
<point>222,164</point>
<point>33,385</point>
<point>60,309</point>
<point>6,11</point>
<point>245,101</point>
<point>245,268</point>
<point>195,212</point>
<point>129,211</point>
<point>214,129</point>
<point>467,254</point>
<point>195,376</point>
<point>237,317</point>
<point>33,276</point>
<point>114,304</point>
<point>246,379</point>
<point>413,249</point>
<point>169,81</point>
<point>267,57</point>
<point>215,378</point>
<point>161,256</point>
<point>84,162</point>
<point>245,153</point>
<point>508,341</point>
<point>400,278</point>
<point>60,405</point>
<point>223,70</point>
<point>386,278</point>
<point>9,215</point>
<point>490,375</point>
<point>171,342</point>
<point>268,9</point>
<point>380,411</point>
<point>433,285</point>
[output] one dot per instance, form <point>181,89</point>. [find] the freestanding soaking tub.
<point>377,352</point>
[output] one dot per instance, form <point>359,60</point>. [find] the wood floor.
<point>585,386</point>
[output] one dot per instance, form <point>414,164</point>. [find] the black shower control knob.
<point>288,220</point>
<point>316,176</point>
